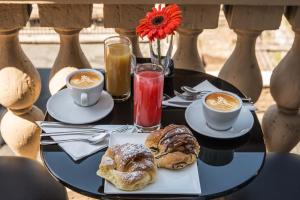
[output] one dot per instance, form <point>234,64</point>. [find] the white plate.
<point>183,181</point>
<point>196,120</point>
<point>62,108</point>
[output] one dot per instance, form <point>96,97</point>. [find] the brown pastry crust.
<point>128,166</point>
<point>174,147</point>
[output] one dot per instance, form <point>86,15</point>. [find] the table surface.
<point>224,165</point>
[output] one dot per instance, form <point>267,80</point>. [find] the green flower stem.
<point>158,51</point>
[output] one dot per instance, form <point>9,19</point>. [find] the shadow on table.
<point>278,180</point>
<point>45,93</point>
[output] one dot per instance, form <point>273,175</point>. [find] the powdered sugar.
<point>180,130</point>
<point>143,165</point>
<point>107,160</point>
<point>132,176</point>
<point>128,151</point>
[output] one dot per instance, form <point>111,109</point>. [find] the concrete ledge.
<point>199,2</point>
<point>266,76</point>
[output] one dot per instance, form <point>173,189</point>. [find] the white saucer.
<point>196,120</point>
<point>62,108</point>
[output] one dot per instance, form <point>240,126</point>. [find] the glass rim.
<point>149,64</point>
<point>117,37</point>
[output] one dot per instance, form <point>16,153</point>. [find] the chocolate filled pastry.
<point>128,166</point>
<point>174,147</point>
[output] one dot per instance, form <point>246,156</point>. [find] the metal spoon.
<point>193,91</point>
<point>199,93</point>
<point>94,139</point>
<point>48,124</point>
<point>89,132</point>
<point>188,97</point>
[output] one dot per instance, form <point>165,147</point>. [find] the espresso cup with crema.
<point>221,109</point>
<point>85,86</point>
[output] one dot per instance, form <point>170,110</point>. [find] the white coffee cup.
<point>85,95</point>
<point>221,119</point>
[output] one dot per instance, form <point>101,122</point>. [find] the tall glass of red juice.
<point>148,94</point>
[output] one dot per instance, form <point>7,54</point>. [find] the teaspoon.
<point>193,91</point>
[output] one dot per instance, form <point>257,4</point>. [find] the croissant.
<point>128,166</point>
<point>174,147</point>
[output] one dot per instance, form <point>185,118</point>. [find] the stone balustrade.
<point>20,83</point>
<point>281,122</point>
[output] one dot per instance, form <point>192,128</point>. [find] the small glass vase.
<point>165,54</point>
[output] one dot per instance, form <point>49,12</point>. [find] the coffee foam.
<point>222,102</point>
<point>85,79</point>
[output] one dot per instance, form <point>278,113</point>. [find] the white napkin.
<point>79,150</point>
<point>207,86</point>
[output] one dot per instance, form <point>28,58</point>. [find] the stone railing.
<point>20,83</point>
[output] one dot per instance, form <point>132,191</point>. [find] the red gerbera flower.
<point>160,22</point>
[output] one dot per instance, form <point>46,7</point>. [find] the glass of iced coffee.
<point>118,61</point>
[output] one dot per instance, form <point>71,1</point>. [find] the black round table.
<point>224,166</point>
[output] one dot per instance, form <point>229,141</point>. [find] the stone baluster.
<point>125,18</point>
<point>20,85</point>
<point>187,55</point>
<point>281,122</point>
<point>67,20</point>
<point>241,69</point>
<point>131,34</point>
<point>195,19</point>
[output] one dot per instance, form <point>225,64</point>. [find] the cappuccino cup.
<point>221,109</point>
<point>85,86</point>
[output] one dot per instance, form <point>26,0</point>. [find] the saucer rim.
<point>84,122</point>
<point>212,135</point>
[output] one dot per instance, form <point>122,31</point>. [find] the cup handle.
<point>84,99</point>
